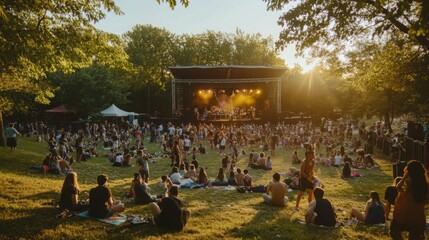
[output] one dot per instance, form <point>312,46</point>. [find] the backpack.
<point>241,190</point>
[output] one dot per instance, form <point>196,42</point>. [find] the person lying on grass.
<point>320,210</point>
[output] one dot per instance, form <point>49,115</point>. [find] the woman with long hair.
<point>409,212</point>
<point>139,191</point>
<point>69,198</point>
<point>374,210</point>
<point>202,177</point>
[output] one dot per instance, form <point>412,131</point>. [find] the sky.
<point>249,16</point>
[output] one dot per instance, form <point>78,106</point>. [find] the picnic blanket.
<point>117,219</point>
<point>230,188</point>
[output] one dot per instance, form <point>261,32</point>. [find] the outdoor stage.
<point>226,93</point>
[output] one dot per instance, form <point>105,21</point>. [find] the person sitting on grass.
<point>119,159</point>
<point>175,175</point>
<point>191,174</point>
<point>126,162</point>
<point>261,160</point>
<point>239,177</point>
<point>231,179</point>
<point>69,198</point>
<point>347,171</point>
<point>101,203</point>
<point>139,191</point>
<point>247,178</point>
<point>45,164</point>
<point>278,192</point>
<point>221,179</point>
<point>374,211</point>
<point>171,213</point>
<point>226,161</point>
<point>166,181</point>
<point>195,161</point>
<point>203,178</point>
<point>295,158</point>
<point>268,164</point>
<point>320,210</point>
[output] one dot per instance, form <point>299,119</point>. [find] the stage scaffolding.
<point>187,79</point>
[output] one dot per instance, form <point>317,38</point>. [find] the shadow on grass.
<point>27,223</point>
<point>275,223</point>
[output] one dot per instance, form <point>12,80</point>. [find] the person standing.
<point>79,146</point>
<point>278,192</point>
<point>306,178</point>
<point>413,194</point>
<point>11,134</point>
<point>142,163</point>
<point>101,204</point>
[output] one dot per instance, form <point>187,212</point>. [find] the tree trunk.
<point>2,137</point>
<point>387,122</point>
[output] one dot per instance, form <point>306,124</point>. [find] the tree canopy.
<point>322,25</point>
<point>38,37</point>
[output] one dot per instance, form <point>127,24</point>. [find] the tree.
<point>151,52</point>
<point>388,81</point>
<point>38,37</point>
<point>90,89</point>
<point>254,50</point>
<point>209,48</point>
<point>324,25</point>
<point>218,48</point>
<point>315,92</point>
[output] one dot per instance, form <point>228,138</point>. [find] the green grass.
<point>26,198</point>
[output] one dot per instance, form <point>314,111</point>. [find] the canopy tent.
<point>60,109</point>
<point>114,111</point>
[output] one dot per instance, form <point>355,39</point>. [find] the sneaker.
<point>62,214</point>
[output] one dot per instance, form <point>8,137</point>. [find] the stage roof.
<point>226,72</point>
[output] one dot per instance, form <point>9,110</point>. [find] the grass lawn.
<point>27,211</point>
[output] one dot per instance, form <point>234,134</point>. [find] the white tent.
<point>114,111</point>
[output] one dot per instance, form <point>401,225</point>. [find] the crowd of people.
<point>183,143</point>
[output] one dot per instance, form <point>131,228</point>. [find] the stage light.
<point>209,90</point>
<point>244,90</point>
<point>200,92</point>
<point>258,91</point>
<point>251,90</point>
<point>237,91</point>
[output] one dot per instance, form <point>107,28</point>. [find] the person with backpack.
<point>170,213</point>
